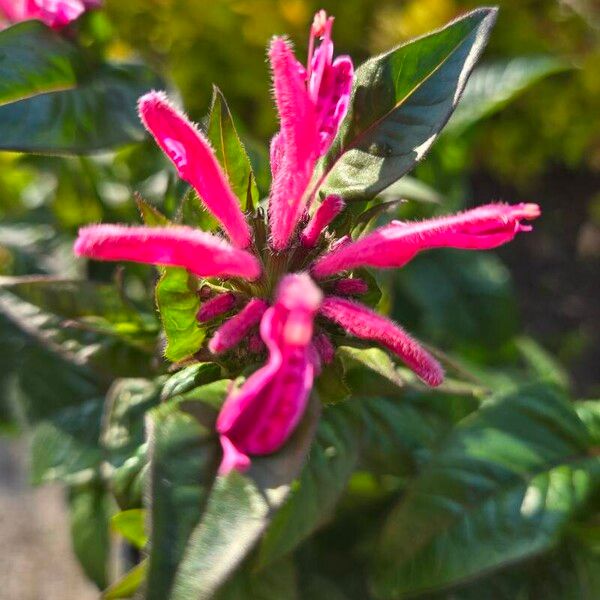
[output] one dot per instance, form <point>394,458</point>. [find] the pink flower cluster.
<point>54,13</point>
<point>296,312</point>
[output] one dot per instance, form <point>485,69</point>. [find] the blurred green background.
<point>543,146</point>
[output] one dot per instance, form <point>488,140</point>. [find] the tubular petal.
<point>259,418</point>
<point>396,244</point>
<point>368,325</point>
<point>351,287</point>
<point>329,209</point>
<point>215,307</point>
<point>324,347</point>
<point>297,144</point>
<point>196,163</point>
<point>201,253</point>
<point>233,331</point>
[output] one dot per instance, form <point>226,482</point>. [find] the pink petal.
<point>55,13</point>
<point>297,145</point>
<point>368,325</point>
<point>191,153</point>
<point>324,347</point>
<point>329,81</point>
<point>329,209</point>
<point>351,287</point>
<point>259,418</point>
<point>396,244</point>
<point>201,253</point>
<point>215,307</point>
<point>233,331</point>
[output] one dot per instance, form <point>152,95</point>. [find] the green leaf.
<point>189,378</point>
<point>238,511</point>
<point>492,86</point>
<point>231,153</point>
<point>75,299</point>
<point>178,304</point>
<point>500,488</point>
<point>541,363</point>
<point>34,59</point>
<point>589,413</point>
<point>131,525</point>
<point>183,462</point>
<point>369,370</point>
<point>400,102</point>
<point>99,114</point>
<point>456,297</point>
<point>312,500</point>
<point>66,447</point>
<point>127,403</point>
<point>409,188</point>
<point>123,436</point>
<point>89,511</point>
<point>150,215</point>
<point>128,585</point>
<point>278,582</point>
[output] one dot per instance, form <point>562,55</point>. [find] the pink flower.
<point>294,313</point>
<point>259,417</point>
<point>312,102</point>
<point>54,13</point>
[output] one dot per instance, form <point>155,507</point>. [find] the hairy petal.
<point>329,209</point>
<point>363,323</point>
<point>324,347</point>
<point>233,331</point>
<point>259,418</point>
<point>351,287</point>
<point>297,147</point>
<point>396,244</point>
<point>201,253</point>
<point>215,307</point>
<point>196,163</point>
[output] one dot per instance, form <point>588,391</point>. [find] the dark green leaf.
<point>66,447</point>
<point>231,153</point>
<point>492,86</point>
<point>127,403</point>
<point>502,487</point>
<point>131,525</point>
<point>128,585</point>
<point>189,378</point>
<point>541,363</point>
<point>178,303</point>
<point>409,188</point>
<point>183,462</point>
<point>369,370</point>
<point>400,102</point>
<point>589,413</point>
<point>457,297</point>
<point>331,460</point>
<point>330,383</point>
<point>34,59</point>
<point>238,511</point>
<point>277,582</point>
<point>89,510</point>
<point>99,114</point>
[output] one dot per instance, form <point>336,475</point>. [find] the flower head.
<point>287,299</point>
<point>54,13</point>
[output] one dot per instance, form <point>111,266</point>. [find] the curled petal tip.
<point>233,459</point>
<point>366,324</point>
<point>195,161</point>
